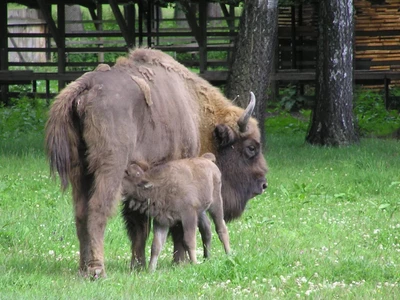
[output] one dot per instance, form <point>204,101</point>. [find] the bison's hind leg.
<point>81,185</point>
<point>105,193</point>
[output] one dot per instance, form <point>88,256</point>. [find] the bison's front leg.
<point>179,248</point>
<point>138,226</point>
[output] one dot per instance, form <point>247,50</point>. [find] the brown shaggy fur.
<point>178,191</point>
<point>105,119</point>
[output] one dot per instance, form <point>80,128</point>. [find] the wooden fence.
<point>377,43</point>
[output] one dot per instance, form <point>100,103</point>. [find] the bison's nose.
<point>265,185</point>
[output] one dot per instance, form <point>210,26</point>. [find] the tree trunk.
<point>253,56</point>
<point>332,121</point>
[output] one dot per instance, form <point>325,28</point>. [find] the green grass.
<point>328,227</point>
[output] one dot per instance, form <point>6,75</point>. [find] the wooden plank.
<point>121,23</point>
<point>215,77</point>
<point>150,11</point>
<point>3,48</point>
<point>74,49</point>
<point>190,14</point>
<point>295,75</point>
<point>15,76</point>
<point>203,35</point>
<point>3,36</point>
<point>45,9</point>
<point>61,46</point>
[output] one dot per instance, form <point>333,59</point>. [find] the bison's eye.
<point>250,151</point>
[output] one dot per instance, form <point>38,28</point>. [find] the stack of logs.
<point>377,35</point>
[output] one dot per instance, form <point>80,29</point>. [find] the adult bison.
<point>148,107</point>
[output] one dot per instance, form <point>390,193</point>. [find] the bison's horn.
<point>244,118</point>
<point>148,185</point>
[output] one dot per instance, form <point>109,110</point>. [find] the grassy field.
<point>327,227</point>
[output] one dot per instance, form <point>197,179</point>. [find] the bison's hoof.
<point>96,272</point>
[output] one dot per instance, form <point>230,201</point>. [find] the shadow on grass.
<point>21,265</point>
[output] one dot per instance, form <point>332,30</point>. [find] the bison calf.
<point>178,191</point>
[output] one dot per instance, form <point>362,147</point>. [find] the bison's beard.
<point>235,199</point>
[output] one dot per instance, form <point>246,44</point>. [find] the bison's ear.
<point>224,135</point>
<point>143,165</point>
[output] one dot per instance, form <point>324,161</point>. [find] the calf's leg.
<point>217,214</point>
<point>189,223</point>
<point>138,226</point>
<point>179,248</point>
<point>205,232</point>
<point>160,236</point>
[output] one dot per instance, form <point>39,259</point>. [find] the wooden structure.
<point>28,21</point>
<point>377,44</point>
<point>138,24</point>
<point>377,41</point>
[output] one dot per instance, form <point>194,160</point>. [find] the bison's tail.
<point>62,137</point>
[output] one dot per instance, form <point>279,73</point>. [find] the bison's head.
<point>242,164</point>
<point>135,176</point>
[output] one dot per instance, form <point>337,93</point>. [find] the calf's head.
<point>242,164</point>
<point>135,176</point>
<point>209,156</point>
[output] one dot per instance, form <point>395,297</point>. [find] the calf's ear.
<point>224,135</point>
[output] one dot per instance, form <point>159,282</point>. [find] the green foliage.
<point>372,116</point>
<point>289,100</point>
<point>373,119</point>
<point>283,122</point>
<point>25,116</point>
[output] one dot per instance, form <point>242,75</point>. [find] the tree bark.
<point>253,56</point>
<point>332,122</point>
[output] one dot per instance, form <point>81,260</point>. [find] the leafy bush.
<point>289,100</point>
<point>25,116</point>
<point>280,121</point>
<point>373,119</point>
<point>372,115</point>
